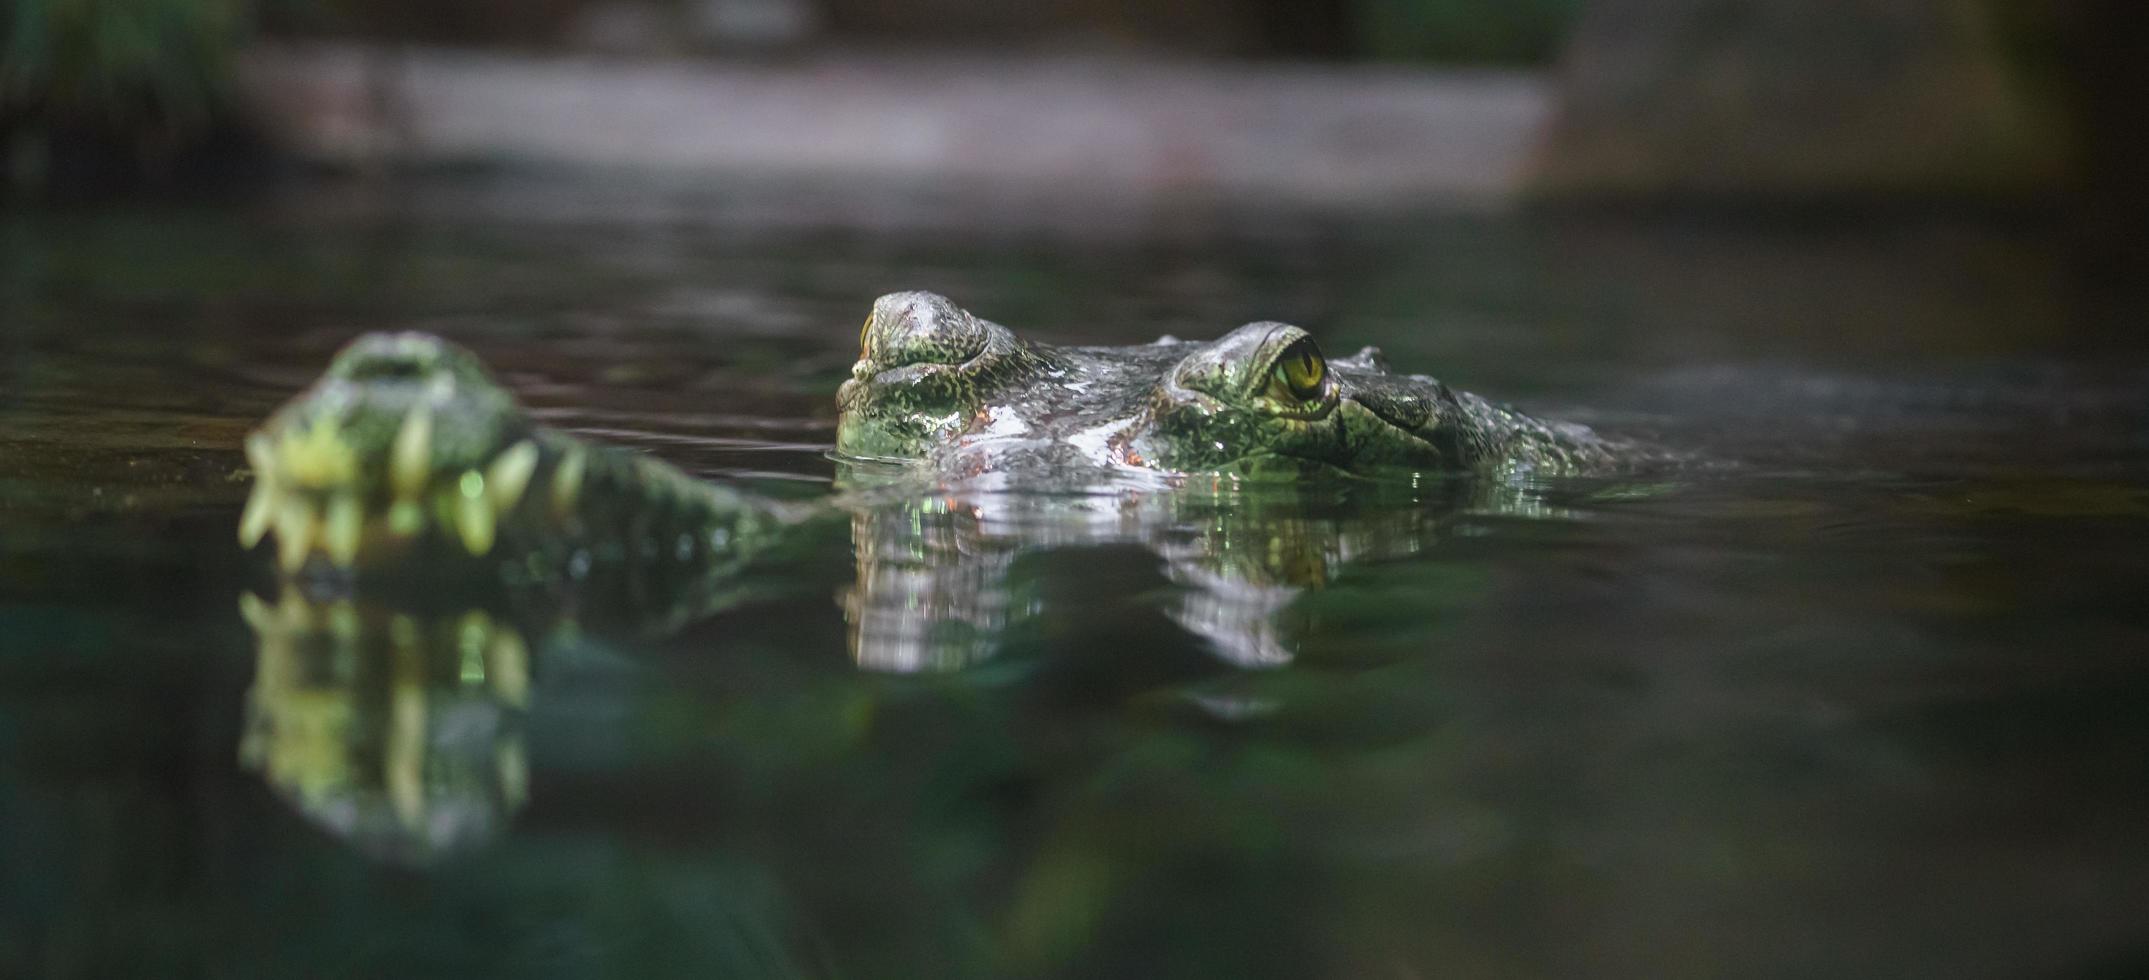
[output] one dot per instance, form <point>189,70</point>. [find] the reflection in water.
<point>401,730</point>
<point>933,590</point>
<point>931,593</point>
<point>398,732</point>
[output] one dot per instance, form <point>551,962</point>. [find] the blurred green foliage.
<point>120,65</point>
<point>1463,31</point>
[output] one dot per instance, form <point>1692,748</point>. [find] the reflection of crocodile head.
<point>936,586</point>
<point>398,733</point>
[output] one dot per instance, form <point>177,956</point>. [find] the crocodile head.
<point>406,433</point>
<point>937,385</point>
<point>403,431</point>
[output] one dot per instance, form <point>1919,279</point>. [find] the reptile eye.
<point>1299,372</point>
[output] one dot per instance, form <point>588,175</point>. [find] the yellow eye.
<point>1300,371</point>
<point>864,330</point>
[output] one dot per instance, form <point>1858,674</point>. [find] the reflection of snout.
<point>929,597</point>
<point>909,621</point>
<point>1238,618</point>
<point>398,733</point>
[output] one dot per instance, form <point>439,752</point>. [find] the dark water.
<point>1864,695</point>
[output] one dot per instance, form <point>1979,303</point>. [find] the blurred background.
<point>1136,121</point>
<point>1362,100</point>
<point>1112,117</point>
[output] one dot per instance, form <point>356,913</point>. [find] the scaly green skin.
<point>967,398</point>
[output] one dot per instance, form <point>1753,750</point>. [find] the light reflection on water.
<point>1863,701</point>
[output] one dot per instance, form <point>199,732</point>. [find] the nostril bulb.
<point>391,357</point>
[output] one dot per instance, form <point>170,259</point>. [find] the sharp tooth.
<point>260,507</point>
<point>260,455</point>
<point>317,457</point>
<point>340,531</point>
<point>509,475</point>
<point>403,765</point>
<point>261,501</point>
<point>508,666</point>
<point>409,465</point>
<point>295,524</point>
<point>567,483</point>
<point>474,521</point>
<point>256,613</point>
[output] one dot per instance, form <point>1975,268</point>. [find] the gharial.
<point>407,438</point>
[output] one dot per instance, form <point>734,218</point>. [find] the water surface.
<point>1860,693</point>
